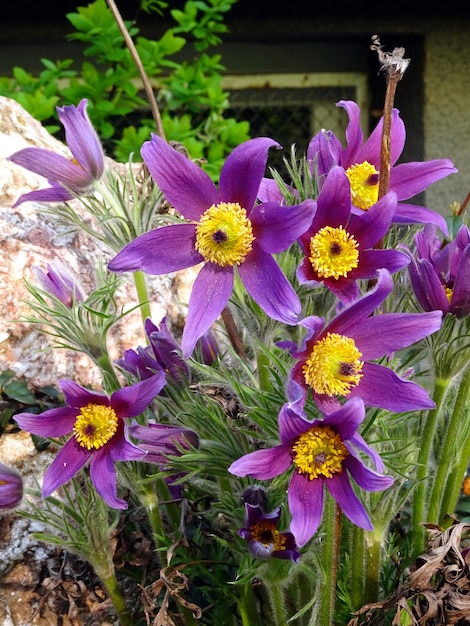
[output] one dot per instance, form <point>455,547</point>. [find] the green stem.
<point>142,294</point>
<point>329,556</point>
<point>427,435</point>
<point>247,606</point>
<point>263,367</point>
<point>278,605</point>
<point>374,558</point>
<point>116,597</point>
<point>442,488</point>
<point>358,560</point>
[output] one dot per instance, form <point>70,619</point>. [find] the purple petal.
<point>460,303</point>
<point>54,167</point>
<point>381,387</point>
<point>103,477</point>
<point>369,227</point>
<point>346,322</point>
<point>371,150</point>
<point>346,420</point>
<point>55,193</point>
<point>160,251</point>
<point>412,214</point>
<point>381,335</point>
<point>119,449</point>
<point>70,459</point>
<point>372,260</point>
<point>51,423</point>
<point>268,286</point>
<point>334,201</point>
<point>210,293</point>
<point>263,464</point>
<point>132,401</point>
<point>269,191</point>
<point>341,490</point>
<point>365,477</point>
<point>183,183</point>
<point>323,152</point>
<point>291,424</point>
<point>305,499</point>
<point>427,286</point>
<point>409,179</point>
<point>82,139</point>
<point>358,442</point>
<point>277,227</point>
<point>354,135</point>
<point>77,396</point>
<point>243,170</point>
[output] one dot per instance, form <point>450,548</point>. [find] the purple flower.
<point>163,354</point>
<point>339,245</point>
<point>11,487</point>
<point>361,160</point>
<point>59,282</point>
<point>440,276</point>
<point>264,540</point>
<point>323,452</point>
<point>226,230</point>
<point>335,360</point>
<point>163,440</point>
<point>99,433</point>
<point>67,178</point>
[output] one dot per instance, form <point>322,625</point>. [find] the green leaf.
<point>17,390</point>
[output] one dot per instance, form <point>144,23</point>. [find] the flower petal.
<point>263,464</point>
<point>323,153</point>
<point>412,214</point>
<point>54,167</point>
<point>55,193</point>
<point>77,396</point>
<point>382,387</point>
<point>291,423</point>
<point>276,227</point>
<point>334,201</point>
<point>184,184</point>
<point>354,134</point>
<point>133,400</point>
<point>305,499</point>
<point>341,490</point>
<point>369,227</point>
<point>52,423</point>
<point>210,293</point>
<point>160,251</point>
<point>269,191</point>
<point>243,170</point>
<point>103,477</point>
<point>365,477</point>
<point>380,335</point>
<point>409,179</point>
<point>82,139</point>
<point>346,420</point>
<point>268,286</point>
<point>70,459</point>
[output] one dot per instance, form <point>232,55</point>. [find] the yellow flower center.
<point>95,425</point>
<point>449,293</point>
<point>224,234</point>
<point>319,452</point>
<point>333,252</point>
<point>334,365</point>
<point>265,532</point>
<point>364,181</point>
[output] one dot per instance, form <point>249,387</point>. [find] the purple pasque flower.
<point>361,160</point>
<point>226,230</point>
<point>163,440</point>
<point>335,360</point>
<point>264,540</point>
<point>67,178</point>
<point>440,275</point>
<point>59,282</point>
<point>339,245</point>
<point>323,452</point>
<point>99,433</point>
<point>11,487</point>
<point>163,354</point>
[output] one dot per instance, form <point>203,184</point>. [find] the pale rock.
<point>30,237</point>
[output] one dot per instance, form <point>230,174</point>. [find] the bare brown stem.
<point>143,74</point>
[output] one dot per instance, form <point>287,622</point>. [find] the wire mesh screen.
<point>291,115</point>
